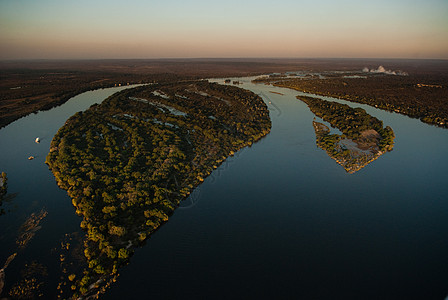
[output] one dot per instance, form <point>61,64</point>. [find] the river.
<point>280,219</point>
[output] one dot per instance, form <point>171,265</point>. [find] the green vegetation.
<point>352,122</point>
<point>363,137</point>
<point>128,162</point>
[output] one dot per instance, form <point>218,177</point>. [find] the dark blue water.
<point>282,220</point>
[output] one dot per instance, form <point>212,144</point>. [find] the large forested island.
<point>363,137</point>
<point>128,162</point>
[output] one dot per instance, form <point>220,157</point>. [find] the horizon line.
<point>217,58</point>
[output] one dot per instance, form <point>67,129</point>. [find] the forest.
<point>363,137</point>
<point>128,162</point>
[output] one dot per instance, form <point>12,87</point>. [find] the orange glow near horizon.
<point>210,30</point>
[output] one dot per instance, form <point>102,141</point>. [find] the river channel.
<point>278,220</point>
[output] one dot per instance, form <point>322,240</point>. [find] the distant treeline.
<point>27,91</point>
<point>422,97</point>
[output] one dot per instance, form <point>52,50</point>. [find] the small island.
<point>363,137</point>
<point>128,162</point>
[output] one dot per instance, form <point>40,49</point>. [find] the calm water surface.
<point>282,220</point>
<point>278,220</point>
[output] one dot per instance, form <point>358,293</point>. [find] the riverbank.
<point>30,86</point>
<point>391,93</point>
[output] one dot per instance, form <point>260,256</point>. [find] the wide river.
<point>279,220</point>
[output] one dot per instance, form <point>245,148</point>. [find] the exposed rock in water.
<point>2,271</point>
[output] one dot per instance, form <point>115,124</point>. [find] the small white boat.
<point>37,140</point>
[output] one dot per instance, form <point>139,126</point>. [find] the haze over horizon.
<point>227,29</point>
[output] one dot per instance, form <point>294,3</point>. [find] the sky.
<point>107,29</point>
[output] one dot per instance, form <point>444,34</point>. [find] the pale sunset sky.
<point>63,29</point>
